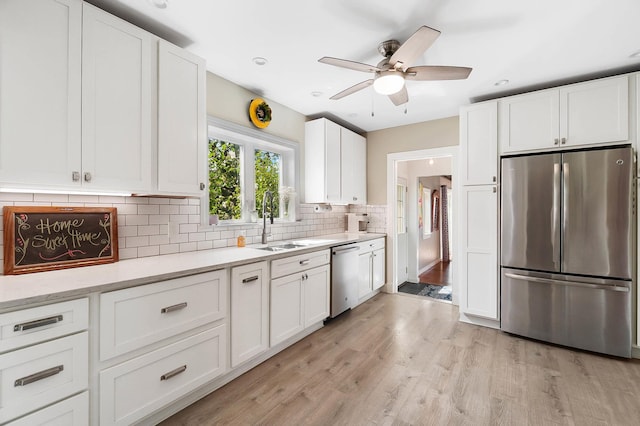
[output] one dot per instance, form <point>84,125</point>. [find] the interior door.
<point>401,230</point>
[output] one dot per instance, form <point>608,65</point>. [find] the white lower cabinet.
<point>249,312</point>
<point>72,411</point>
<point>301,298</point>
<point>133,389</point>
<point>39,375</point>
<point>371,270</point>
<point>136,317</point>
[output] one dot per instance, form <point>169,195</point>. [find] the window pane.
<point>268,169</point>
<point>225,198</point>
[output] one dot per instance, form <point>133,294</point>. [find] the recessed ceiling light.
<point>160,4</point>
<point>258,60</point>
<point>635,55</point>
<point>316,94</point>
<point>501,82</point>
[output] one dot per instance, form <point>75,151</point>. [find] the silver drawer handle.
<point>304,262</point>
<point>248,280</point>
<point>38,376</point>
<point>37,323</point>
<point>172,373</point>
<point>568,283</point>
<point>173,308</point>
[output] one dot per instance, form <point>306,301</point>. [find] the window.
<point>243,165</point>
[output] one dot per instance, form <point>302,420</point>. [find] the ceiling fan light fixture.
<point>388,83</point>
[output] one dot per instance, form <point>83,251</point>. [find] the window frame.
<point>249,140</point>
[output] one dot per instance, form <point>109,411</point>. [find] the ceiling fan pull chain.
<point>372,104</point>
<point>405,109</point>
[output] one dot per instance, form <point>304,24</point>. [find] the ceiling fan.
<point>390,73</point>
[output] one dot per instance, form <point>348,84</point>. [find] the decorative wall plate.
<point>259,113</point>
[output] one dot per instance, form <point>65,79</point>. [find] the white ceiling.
<point>533,44</point>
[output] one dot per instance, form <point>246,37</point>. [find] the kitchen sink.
<point>281,247</point>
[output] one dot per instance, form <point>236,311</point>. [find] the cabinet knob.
<point>75,176</point>
<point>556,141</point>
<point>87,177</point>
<point>355,198</point>
<point>494,178</point>
<point>202,186</point>
<point>494,190</point>
<point>563,141</point>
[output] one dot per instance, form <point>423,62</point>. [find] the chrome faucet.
<point>268,194</point>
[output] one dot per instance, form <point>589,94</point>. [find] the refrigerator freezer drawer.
<point>585,313</point>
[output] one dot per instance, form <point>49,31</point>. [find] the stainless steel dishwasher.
<point>344,278</point>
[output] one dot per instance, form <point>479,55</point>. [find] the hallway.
<point>439,274</point>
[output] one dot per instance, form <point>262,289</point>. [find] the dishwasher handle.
<point>338,251</point>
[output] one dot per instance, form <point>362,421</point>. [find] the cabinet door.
<point>316,295</point>
<point>377,268</point>
<point>182,121</point>
<point>40,54</point>
<point>529,121</point>
<point>364,274</point>
<point>479,260</point>
<point>354,167</point>
<point>333,164</point>
<point>249,311</point>
<point>286,307</point>
<point>116,103</point>
<point>595,112</point>
<point>479,143</point>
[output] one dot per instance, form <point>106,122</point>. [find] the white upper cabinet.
<point>116,103</point>
<point>354,167</point>
<point>479,143</point>
<point>594,112</point>
<point>40,66</point>
<point>335,164</point>
<point>182,121</point>
<point>93,103</point>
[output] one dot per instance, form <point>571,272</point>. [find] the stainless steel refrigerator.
<point>567,236</point>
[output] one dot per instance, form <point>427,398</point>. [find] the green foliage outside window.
<point>224,178</point>
<point>267,167</point>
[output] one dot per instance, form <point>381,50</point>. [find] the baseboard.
<point>484,322</point>
<point>429,266</point>
<point>635,352</point>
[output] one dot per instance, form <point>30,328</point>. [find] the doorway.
<point>417,161</point>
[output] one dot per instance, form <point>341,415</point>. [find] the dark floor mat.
<point>429,290</point>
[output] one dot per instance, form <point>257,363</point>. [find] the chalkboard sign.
<point>47,238</point>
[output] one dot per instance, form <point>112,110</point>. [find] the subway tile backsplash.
<point>143,222</point>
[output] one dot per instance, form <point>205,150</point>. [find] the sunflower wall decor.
<point>259,113</point>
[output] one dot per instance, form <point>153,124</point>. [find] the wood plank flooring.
<point>406,360</point>
<point>439,274</point>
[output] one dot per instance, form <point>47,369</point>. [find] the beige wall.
<point>429,134</point>
<point>230,102</point>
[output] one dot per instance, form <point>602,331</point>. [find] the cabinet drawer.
<point>293,264</point>
<point>36,376</point>
<point>136,388</point>
<point>70,412</point>
<point>136,317</point>
<point>35,325</point>
<point>371,245</point>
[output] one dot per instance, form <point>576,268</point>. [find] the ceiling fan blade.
<point>352,65</point>
<point>352,89</point>
<point>436,72</point>
<point>400,97</point>
<point>413,47</point>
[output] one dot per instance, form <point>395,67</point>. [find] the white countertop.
<point>17,290</point>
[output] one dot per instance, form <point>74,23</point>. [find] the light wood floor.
<point>402,359</point>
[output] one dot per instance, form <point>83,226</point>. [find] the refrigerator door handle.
<point>555,216</point>
<point>565,204</point>
<point>568,283</point>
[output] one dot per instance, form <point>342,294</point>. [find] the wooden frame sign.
<point>47,238</point>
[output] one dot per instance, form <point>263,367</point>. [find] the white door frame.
<point>403,182</point>
<point>392,177</point>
